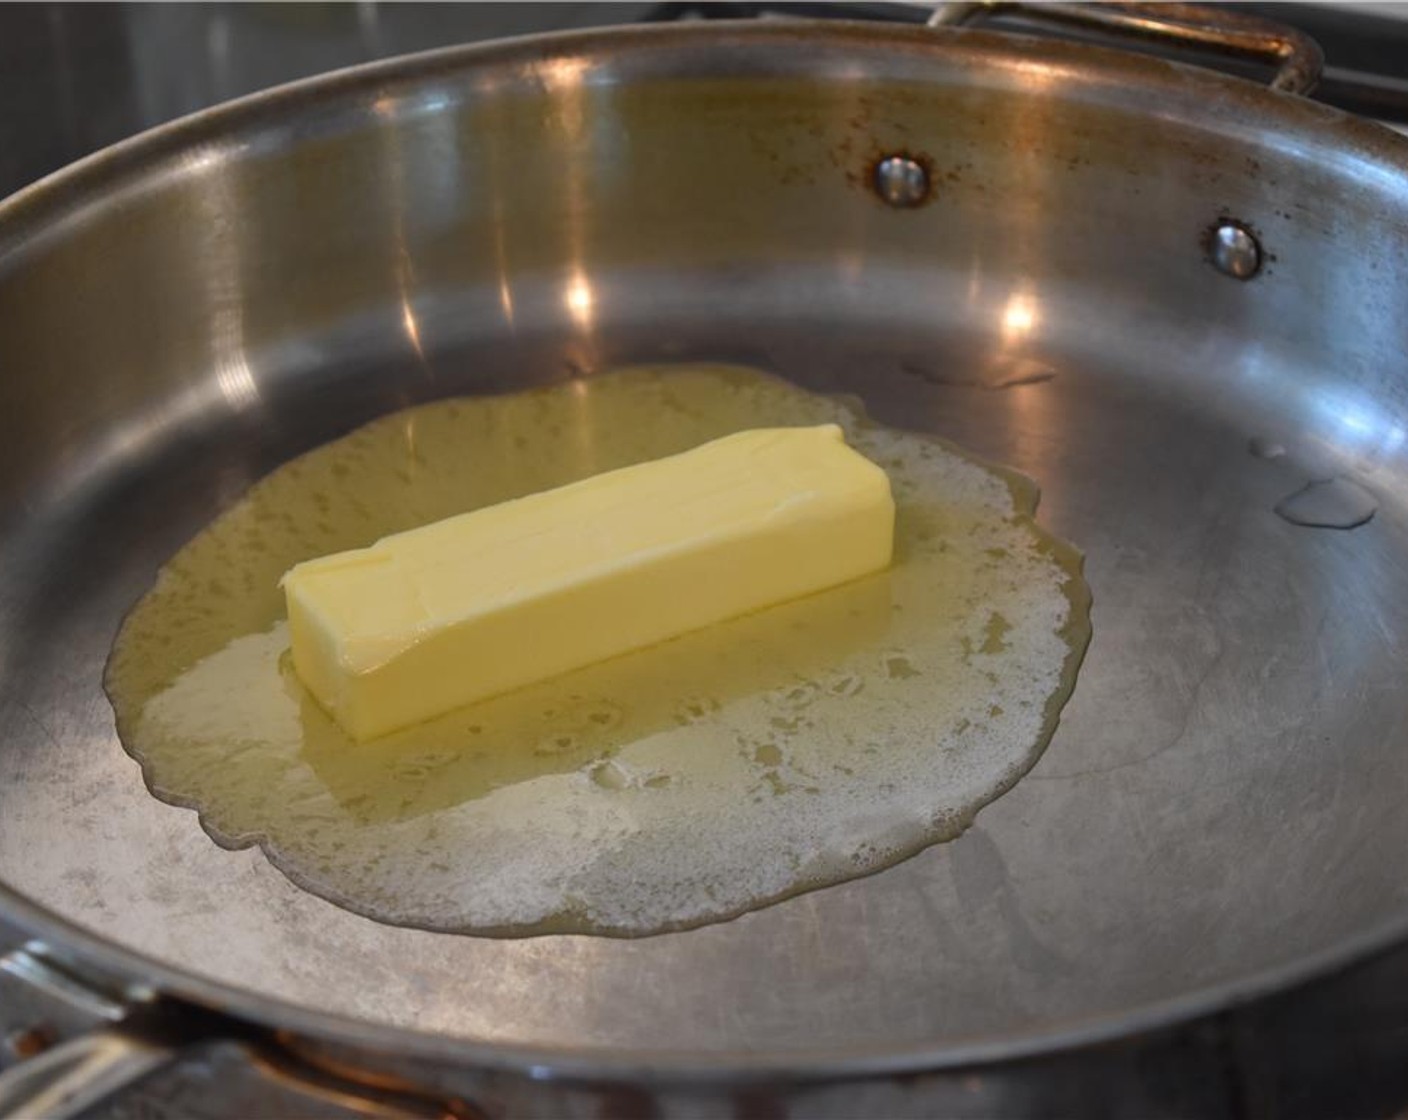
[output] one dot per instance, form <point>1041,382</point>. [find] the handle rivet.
<point>1234,250</point>
<point>901,181</point>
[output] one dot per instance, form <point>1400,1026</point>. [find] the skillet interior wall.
<point>527,200</point>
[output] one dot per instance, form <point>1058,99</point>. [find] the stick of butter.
<point>463,609</point>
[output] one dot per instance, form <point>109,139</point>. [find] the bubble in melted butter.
<point>682,784</point>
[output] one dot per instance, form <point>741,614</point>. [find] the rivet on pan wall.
<point>1234,249</point>
<point>901,181</point>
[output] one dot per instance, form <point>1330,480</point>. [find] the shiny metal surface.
<point>1219,811</point>
<point>1234,250</point>
<point>77,77</point>
<point>74,1076</point>
<point>901,181</point>
<point>1213,28</point>
<point>89,1074</point>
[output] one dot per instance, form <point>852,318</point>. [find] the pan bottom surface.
<point>1220,799</point>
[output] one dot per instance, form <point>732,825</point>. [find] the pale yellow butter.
<point>475,605</point>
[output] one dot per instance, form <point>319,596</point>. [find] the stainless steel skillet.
<point>1219,813</point>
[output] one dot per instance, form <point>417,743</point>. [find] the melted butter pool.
<point>732,767</point>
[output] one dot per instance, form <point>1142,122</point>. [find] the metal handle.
<point>75,1075</point>
<point>1297,56</point>
<point>118,1038</point>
